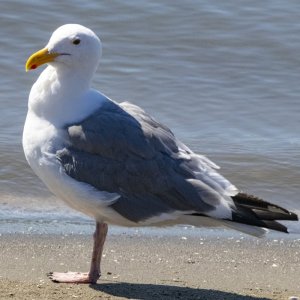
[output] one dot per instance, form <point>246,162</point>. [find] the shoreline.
<point>152,267</point>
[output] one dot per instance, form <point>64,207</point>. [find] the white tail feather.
<point>200,221</point>
<point>248,229</point>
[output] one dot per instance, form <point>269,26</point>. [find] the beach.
<point>153,267</point>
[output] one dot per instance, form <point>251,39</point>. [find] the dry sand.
<point>137,267</point>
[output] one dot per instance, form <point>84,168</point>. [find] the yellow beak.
<point>39,58</point>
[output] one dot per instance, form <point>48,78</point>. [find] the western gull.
<point>117,164</point>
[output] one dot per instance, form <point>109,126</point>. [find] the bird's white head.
<point>71,46</point>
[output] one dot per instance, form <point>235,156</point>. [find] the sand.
<point>152,267</point>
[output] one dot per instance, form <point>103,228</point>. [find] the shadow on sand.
<point>153,291</point>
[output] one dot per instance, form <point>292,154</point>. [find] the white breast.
<point>50,108</point>
<point>40,142</point>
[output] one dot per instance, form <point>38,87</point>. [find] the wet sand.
<point>150,267</point>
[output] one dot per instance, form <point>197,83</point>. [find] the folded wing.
<point>121,149</point>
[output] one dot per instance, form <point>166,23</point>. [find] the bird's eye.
<point>76,42</point>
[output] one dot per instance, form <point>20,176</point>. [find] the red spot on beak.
<point>33,67</point>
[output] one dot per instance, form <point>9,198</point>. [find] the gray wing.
<point>123,150</point>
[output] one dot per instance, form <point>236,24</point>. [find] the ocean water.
<point>224,75</point>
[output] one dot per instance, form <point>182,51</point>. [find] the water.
<point>224,75</point>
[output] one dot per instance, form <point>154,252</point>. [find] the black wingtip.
<point>251,210</point>
<point>293,217</point>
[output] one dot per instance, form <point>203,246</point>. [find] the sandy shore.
<point>137,267</point>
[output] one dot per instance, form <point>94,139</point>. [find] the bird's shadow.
<point>154,291</point>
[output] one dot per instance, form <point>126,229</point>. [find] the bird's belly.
<point>78,195</point>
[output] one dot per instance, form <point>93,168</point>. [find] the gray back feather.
<point>121,149</point>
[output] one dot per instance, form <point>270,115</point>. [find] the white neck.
<point>59,95</point>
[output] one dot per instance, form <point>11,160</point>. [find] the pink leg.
<point>94,273</point>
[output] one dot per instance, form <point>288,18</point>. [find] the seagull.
<point>117,164</point>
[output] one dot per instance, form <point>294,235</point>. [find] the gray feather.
<point>121,149</point>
